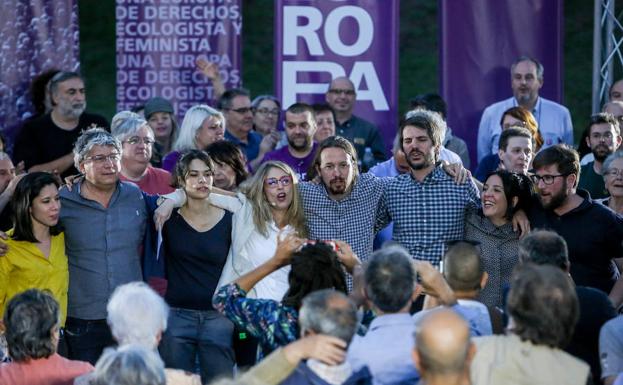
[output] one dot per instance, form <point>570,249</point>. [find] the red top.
<point>155,181</point>
<point>54,370</point>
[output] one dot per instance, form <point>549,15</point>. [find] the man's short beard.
<point>429,160</point>
<point>558,200</point>
<point>73,112</point>
<point>305,146</point>
<point>598,155</point>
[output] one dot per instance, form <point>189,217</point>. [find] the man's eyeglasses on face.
<point>604,136</point>
<point>241,110</point>
<point>103,158</point>
<point>547,179</point>
<point>274,182</point>
<point>266,111</point>
<point>136,140</point>
<point>337,91</point>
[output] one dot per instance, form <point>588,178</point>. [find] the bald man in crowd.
<point>443,350</point>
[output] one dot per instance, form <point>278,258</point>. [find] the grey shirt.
<point>103,246</point>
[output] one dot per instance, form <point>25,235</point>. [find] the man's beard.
<point>556,200</point>
<point>337,190</point>
<point>601,152</point>
<point>73,110</point>
<point>428,161</point>
<point>301,147</point>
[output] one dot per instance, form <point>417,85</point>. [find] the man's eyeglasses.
<point>136,140</point>
<point>274,182</point>
<point>605,136</point>
<point>241,110</point>
<point>103,158</point>
<point>336,91</point>
<point>547,179</point>
<point>266,111</point>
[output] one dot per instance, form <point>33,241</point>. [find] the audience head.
<point>67,94</point>
<point>341,95</point>
<point>137,315</point>
<point>32,321</point>
<point>40,91</point>
<point>516,149</point>
<point>313,267</point>
<point>35,200</point>
<point>325,121</point>
<point>390,280</point>
<point>604,135</point>
<point>230,169</point>
<point>328,312</point>
<point>129,365</point>
<point>300,126</point>
<point>556,174</point>
<point>236,106</point>
<point>96,155</point>
<point>430,102</point>
<point>274,187</point>
<point>135,135</point>
<point>615,108</point>
<point>519,116</point>
<point>202,126</point>
<point>544,247</point>
<point>612,171</point>
<point>7,170</point>
<point>421,135</point>
<point>161,118</point>
<point>442,345</point>
<point>463,269</point>
<point>266,109</point>
<point>336,163</point>
<point>526,80</point>
<point>543,305</point>
<point>504,193</point>
<point>194,172</point>
<point>616,91</point>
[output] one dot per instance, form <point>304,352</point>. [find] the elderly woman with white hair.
<point>612,172</point>
<point>137,316</point>
<point>137,140</point>
<point>129,365</point>
<point>202,126</point>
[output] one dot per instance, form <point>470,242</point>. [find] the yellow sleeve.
<point>5,273</point>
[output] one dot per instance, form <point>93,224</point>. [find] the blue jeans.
<point>199,335</point>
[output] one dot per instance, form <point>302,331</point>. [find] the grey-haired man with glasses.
<point>592,231</point>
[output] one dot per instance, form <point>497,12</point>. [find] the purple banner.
<point>159,41</point>
<point>36,36</point>
<point>480,39</point>
<point>317,40</point>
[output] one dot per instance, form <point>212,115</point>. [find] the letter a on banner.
<point>159,41</point>
<point>317,41</point>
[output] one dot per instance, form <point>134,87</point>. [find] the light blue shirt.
<point>553,119</point>
<point>386,350</point>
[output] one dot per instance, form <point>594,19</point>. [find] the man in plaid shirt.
<point>426,205</point>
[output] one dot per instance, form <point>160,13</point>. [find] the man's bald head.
<point>442,344</point>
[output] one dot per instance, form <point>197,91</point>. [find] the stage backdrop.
<point>35,36</point>
<point>159,41</point>
<point>479,41</point>
<point>317,40</point>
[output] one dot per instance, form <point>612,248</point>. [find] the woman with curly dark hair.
<point>314,266</point>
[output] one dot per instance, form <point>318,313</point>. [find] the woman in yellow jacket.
<point>36,256</point>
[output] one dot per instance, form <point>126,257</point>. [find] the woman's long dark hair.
<point>25,192</point>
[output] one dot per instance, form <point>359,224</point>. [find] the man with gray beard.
<point>46,143</point>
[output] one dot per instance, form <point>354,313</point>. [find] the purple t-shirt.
<point>299,165</point>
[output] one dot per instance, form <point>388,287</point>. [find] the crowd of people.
<point>264,244</point>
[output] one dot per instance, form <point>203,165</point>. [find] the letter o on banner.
<point>332,30</point>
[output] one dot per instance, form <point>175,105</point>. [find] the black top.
<point>194,261</point>
<point>41,141</point>
<point>593,233</point>
<point>595,310</point>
